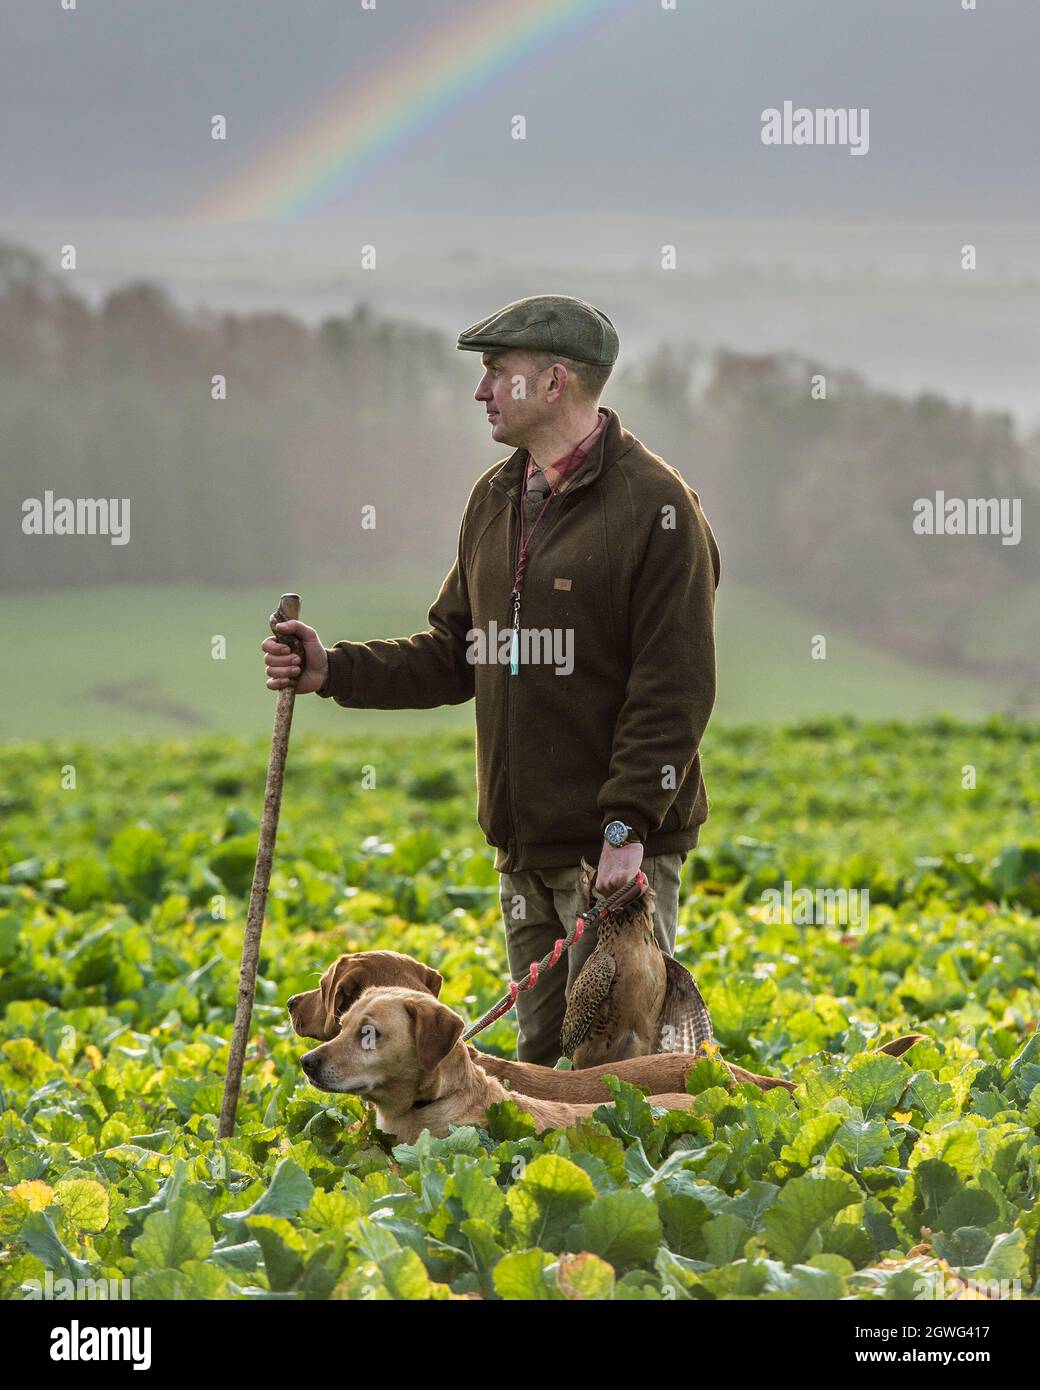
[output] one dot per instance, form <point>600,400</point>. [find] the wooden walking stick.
<point>287,609</point>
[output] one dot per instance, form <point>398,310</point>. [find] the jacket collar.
<point>612,441</point>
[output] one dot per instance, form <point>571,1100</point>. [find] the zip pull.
<point>514,641</point>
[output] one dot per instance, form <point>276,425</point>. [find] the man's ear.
<point>437,1030</point>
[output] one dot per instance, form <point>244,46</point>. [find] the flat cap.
<point>547,323</point>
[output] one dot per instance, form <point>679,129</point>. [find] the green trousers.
<point>539,905</point>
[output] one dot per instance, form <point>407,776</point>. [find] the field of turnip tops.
<point>122,902</point>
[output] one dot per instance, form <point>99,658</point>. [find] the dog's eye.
<point>368,1035</point>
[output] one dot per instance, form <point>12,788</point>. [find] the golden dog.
<point>318,1014</point>
<point>401,1050</point>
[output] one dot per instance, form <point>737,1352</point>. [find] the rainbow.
<point>363,123</point>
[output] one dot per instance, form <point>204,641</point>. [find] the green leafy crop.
<point>122,901</point>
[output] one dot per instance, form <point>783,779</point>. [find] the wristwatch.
<point>617,833</point>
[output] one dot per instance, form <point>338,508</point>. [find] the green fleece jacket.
<point>616,678</point>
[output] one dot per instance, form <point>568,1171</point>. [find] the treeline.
<point>810,499</point>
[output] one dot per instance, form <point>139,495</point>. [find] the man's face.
<point>511,420</point>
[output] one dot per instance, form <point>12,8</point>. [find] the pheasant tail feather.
<point>685,1024</point>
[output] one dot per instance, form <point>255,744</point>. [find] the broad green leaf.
<point>335,1209</point>
<point>545,1200</point>
<point>964,1245</point>
<point>505,1120</point>
<point>925,1093</point>
<point>290,1191</point>
<point>480,1195</point>
<point>283,1249</point>
<point>195,1280</point>
<point>1006,1257</point>
<point>172,1237</point>
<point>682,1218</point>
<point>740,1006</point>
<point>680,1278</point>
<point>484,1242</point>
<point>874,1081</point>
<point>406,1278</point>
<point>40,1239</point>
<point>864,1142</point>
<point>935,1183</point>
<point>724,1238</point>
<point>969,1206</point>
<point>813,1137</point>
<point>521,1275</point>
<point>803,1206</point>
<point>955,1143</point>
<point>753,1203</point>
<point>705,1073</point>
<point>629,1116</point>
<point>808,1282</point>
<point>622,1227</point>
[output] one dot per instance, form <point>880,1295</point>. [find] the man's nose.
<point>482,392</point>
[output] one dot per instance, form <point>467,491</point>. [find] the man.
<point>579,613</point>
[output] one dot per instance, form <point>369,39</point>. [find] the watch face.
<point>615,833</point>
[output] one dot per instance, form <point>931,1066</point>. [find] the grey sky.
<point>104,111</point>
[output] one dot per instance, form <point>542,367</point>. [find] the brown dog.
<point>401,1050</point>
<point>317,1015</point>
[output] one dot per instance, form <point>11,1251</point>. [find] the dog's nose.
<point>310,1062</point>
<point>292,1001</point>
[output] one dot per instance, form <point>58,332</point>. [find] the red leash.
<point>618,898</point>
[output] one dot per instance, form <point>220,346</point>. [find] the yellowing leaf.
<point>35,1195</point>
<point>84,1202</point>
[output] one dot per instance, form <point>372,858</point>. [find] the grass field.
<point>137,662</point>
<point>121,909</point>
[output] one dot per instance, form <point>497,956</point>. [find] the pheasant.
<point>630,999</point>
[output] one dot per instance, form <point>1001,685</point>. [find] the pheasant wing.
<point>588,992</point>
<point>684,1022</point>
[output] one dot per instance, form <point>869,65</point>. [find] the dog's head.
<point>316,1014</point>
<point>388,1047</point>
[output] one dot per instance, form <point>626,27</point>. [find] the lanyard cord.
<point>518,579</point>
<point>521,560</point>
<point>521,563</point>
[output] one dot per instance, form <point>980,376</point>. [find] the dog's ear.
<point>437,1030</point>
<point>334,992</point>
<point>431,979</point>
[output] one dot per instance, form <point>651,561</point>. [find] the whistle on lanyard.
<point>514,641</point>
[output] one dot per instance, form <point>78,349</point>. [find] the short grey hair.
<point>588,377</point>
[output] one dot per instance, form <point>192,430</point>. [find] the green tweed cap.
<point>547,323</point>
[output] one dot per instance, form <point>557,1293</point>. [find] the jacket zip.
<point>510,760</point>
